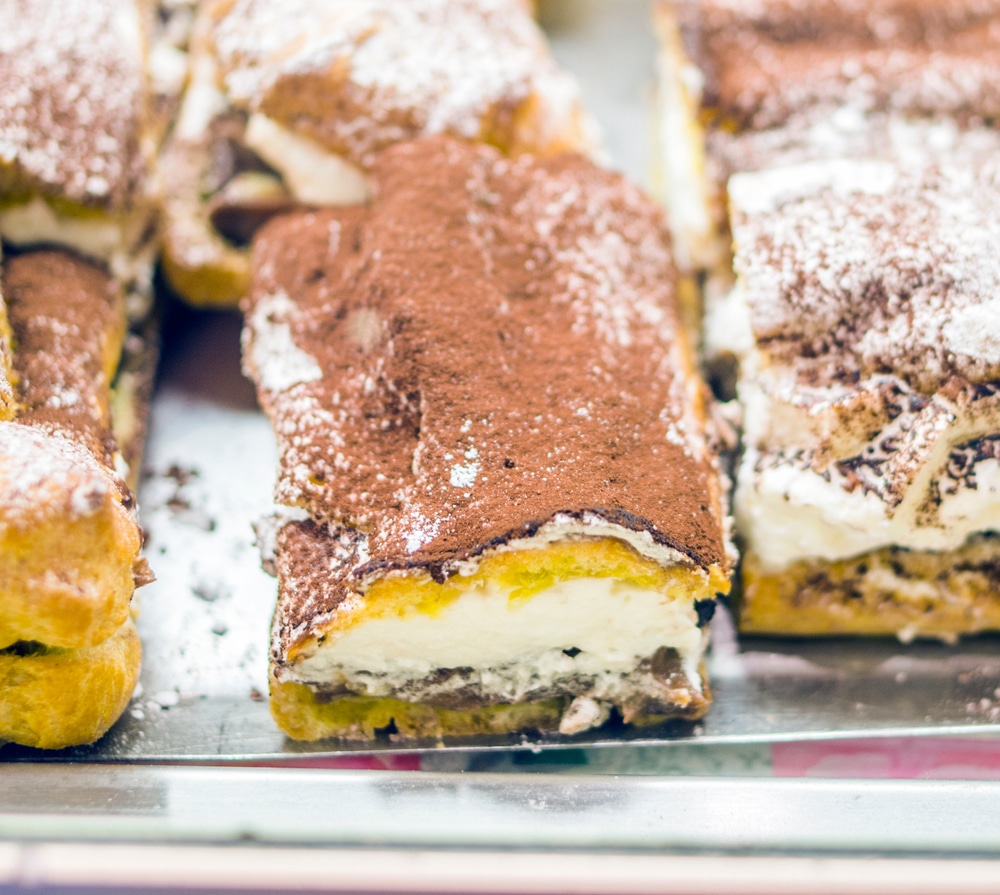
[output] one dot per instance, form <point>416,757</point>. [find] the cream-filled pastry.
<point>70,542</point>
<point>75,137</point>
<point>504,509</point>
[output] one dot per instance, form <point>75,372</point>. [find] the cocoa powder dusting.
<point>491,344</point>
<point>768,61</point>
<point>67,317</point>
<point>854,269</point>
<point>72,106</point>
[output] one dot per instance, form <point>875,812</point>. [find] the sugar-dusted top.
<point>68,319</point>
<point>857,268</point>
<point>72,104</point>
<point>767,62</point>
<point>492,344</point>
<point>357,76</point>
<point>43,476</point>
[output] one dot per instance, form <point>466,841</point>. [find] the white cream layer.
<point>685,188</point>
<point>35,223</point>
<point>515,646</point>
<point>785,513</point>
<point>105,240</point>
<point>313,174</point>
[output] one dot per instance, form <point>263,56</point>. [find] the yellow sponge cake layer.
<point>552,636</point>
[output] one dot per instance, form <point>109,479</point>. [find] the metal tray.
<point>209,472</point>
<point>111,817</point>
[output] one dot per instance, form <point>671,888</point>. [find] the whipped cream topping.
<point>313,174</point>
<point>36,223</point>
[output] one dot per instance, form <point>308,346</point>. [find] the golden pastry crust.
<point>69,540</point>
<point>68,544</point>
<point>303,715</point>
<point>54,698</point>
<point>888,592</point>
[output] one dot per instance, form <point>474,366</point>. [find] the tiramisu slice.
<point>867,325</point>
<point>746,86</point>
<point>69,539</point>
<point>289,104</point>
<point>505,512</point>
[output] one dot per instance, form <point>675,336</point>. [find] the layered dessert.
<point>501,506</point>
<point>747,86</point>
<point>867,327</point>
<point>289,104</point>
<point>75,141</point>
<point>69,539</point>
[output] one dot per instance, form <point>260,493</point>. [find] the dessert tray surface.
<point>209,470</point>
<point>205,620</point>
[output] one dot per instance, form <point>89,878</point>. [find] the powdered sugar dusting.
<point>975,331</point>
<point>770,189</point>
<point>902,280</point>
<point>445,422</point>
<point>612,274</point>
<point>43,474</point>
<point>420,67</point>
<point>71,107</point>
<point>272,350</point>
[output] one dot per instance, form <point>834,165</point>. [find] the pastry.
<point>69,540</point>
<point>867,327</point>
<point>502,508</point>
<point>51,698</point>
<point>74,130</point>
<point>747,86</point>
<point>83,108</point>
<point>289,104</point>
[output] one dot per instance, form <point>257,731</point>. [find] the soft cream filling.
<point>313,175</point>
<point>108,241</point>
<point>514,646</point>
<point>786,513</point>
<point>35,222</point>
<point>684,185</point>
